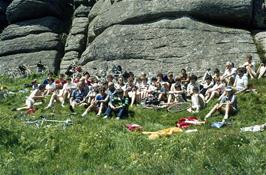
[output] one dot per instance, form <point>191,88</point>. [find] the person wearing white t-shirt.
<point>241,81</point>
<point>230,72</point>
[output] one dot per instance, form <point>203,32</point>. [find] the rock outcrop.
<point>35,33</point>
<point>170,45</point>
<point>140,35</point>
<point>77,37</point>
<point>3,6</point>
<point>170,34</point>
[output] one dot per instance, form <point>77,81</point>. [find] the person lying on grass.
<point>197,101</point>
<point>227,105</point>
<point>118,104</point>
<point>35,96</point>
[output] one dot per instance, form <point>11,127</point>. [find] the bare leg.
<point>212,111</point>
<point>133,98</point>
<point>227,111</point>
<point>213,94</point>
<point>169,99</point>
<point>100,110</point>
<point>53,97</point>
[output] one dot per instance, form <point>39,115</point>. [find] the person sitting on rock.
<point>261,70</point>
<point>227,105</point>
<point>250,67</point>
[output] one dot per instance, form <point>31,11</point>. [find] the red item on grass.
<point>188,121</point>
<point>134,127</point>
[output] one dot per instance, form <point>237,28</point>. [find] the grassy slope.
<point>96,146</point>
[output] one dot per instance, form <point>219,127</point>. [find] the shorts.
<point>29,102</point>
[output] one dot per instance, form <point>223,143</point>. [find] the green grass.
<point>96,146</point>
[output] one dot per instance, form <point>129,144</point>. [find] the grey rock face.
<point>3,6</point>
<point>77,37</point>
<point>35,26</point>
<point>170,45</point>
<point>82,11</point>
<point>31,43</point>
<point>20,10</point>
<point>51,58</point>
<point>260,39</point>
<point>226,12</point>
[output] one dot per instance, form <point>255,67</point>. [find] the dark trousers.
<point>121,112</point>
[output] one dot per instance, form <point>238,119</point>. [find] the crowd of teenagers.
<point>113,96</point>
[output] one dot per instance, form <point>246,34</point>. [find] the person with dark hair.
<point>184,78</point>
<point>176,93</point>
<point>197,101</point>
<point>49,80</point>
<point>192,84</point>
<point>119,105</point>
<point>241,81</point>
<point>207,84</point>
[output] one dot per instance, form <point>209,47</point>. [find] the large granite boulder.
<point>34,26</point>
<point>172,34</point>
<point>238,13</point>
<point>50,58</point>
<point>169,45</point>
<point>20,10</point>
<point>3,6</point>
<point>260,39</point>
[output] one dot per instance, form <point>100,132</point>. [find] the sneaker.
<point>117,118</point>
<point>105,117</point>
<point>71,109</point>
<point>62,105</point>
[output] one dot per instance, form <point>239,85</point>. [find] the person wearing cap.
<point>227,105</point>
<point>197,101</point>
<point>118,105</point>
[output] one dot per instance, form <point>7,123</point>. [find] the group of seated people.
<point>117,93</point>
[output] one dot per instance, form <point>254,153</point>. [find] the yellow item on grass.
<point>163,133</point>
